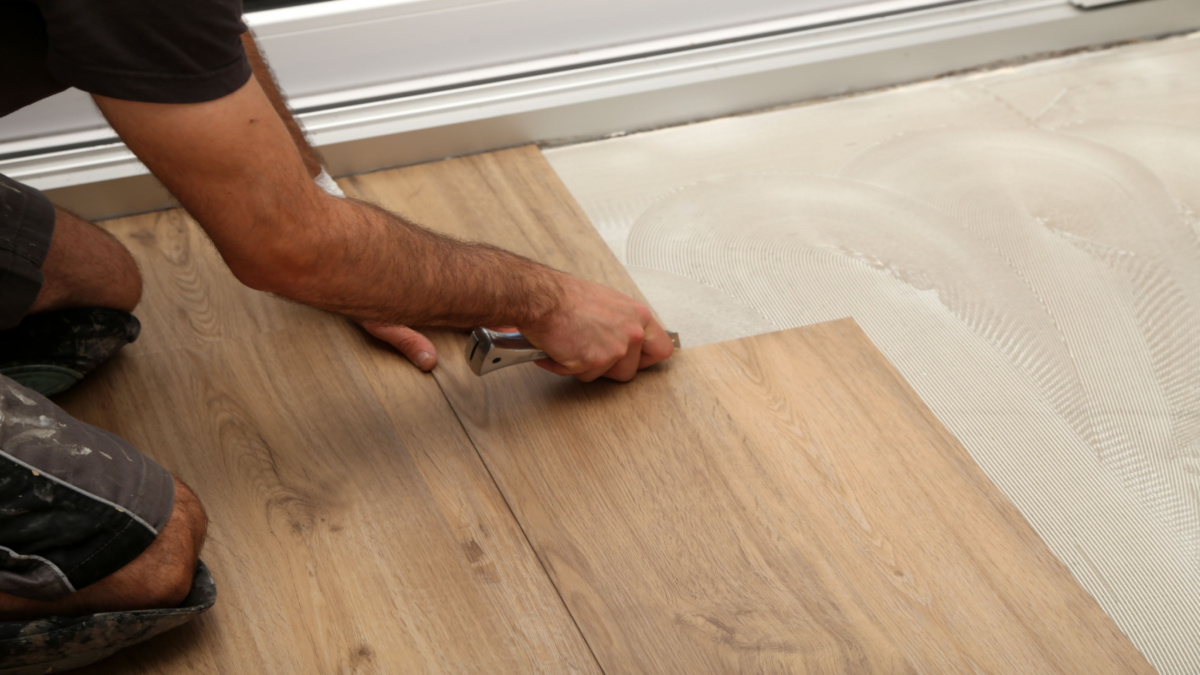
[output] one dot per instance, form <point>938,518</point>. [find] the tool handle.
<point>489,350</point>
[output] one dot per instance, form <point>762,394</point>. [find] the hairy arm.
<point>234,167</point>
<point>266,79</point>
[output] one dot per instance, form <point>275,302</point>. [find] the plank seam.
<point>520,526</point>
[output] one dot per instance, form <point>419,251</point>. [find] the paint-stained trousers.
<point>77,503</point>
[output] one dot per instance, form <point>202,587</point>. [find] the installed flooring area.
<point>1023,245</point>
<point>936,411</point>
<point>780,503</point>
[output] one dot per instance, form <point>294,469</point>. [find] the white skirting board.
<point>636,93</point>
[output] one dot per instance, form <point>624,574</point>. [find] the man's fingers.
<point>591,375</point>
<point>599,332</point>
<point>553,366</point>
<point>657,347</point>
<point>559,369</point>
<point>627,367</point>
<point>415,346</point>
<point>566,371</point>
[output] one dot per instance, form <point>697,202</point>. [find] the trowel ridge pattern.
<point>1022,245</point>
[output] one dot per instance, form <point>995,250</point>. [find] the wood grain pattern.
<point>353,526</point>
<point>190,297</point>
<point>511,198</point>
<point>783,503</point>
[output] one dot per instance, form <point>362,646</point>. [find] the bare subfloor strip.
<point>1023,245</point>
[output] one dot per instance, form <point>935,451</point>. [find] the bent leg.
<point>86,267</point>
<point>161,576</point>
<point>52,259</point>
<point>90,524</point>
<point>66,289</point>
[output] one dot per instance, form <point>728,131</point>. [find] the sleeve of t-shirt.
<point>157,51</point>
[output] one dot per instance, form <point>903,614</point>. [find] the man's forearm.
<point>465,284</point>
<point>367,263</point>
<point>231,163</point>
<point>270,86</point>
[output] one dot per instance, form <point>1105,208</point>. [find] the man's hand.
<point>598,332</point>
<point>583,335</point>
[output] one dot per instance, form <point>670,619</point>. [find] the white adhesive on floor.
<point>1024,246</point>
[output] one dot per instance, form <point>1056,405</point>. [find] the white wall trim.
<point>292,20</point>
<point>336,52</point>
<point>667,88</point>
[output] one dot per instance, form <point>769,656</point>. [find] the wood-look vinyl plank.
<point>778,504</point>
<point>190,298</point>
<point>783,503</point>
<point>510,198</point>
<point>349,531</point>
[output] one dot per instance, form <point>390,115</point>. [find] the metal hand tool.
<point>489,350</point>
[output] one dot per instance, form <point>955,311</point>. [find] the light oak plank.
<point>353,526</point>
<point>783,503</point>
<point>511,198</point>
<point>190,298</point>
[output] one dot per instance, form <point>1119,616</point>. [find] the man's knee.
<point>163,578</point>
<point>162,575</point>
<point>126,286</point>
<point>166,568</point>
<point>87,267</point>
<point>129,285</point>
<point>86,556</point>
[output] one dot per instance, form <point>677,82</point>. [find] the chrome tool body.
<point>489,350</point>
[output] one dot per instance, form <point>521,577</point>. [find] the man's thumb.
<point>409,342</point>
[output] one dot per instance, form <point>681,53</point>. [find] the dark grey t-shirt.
<point>158,51</point>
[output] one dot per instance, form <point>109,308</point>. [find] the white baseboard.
<point>589,100</point>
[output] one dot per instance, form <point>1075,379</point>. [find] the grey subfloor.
<point>1023,244</point>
